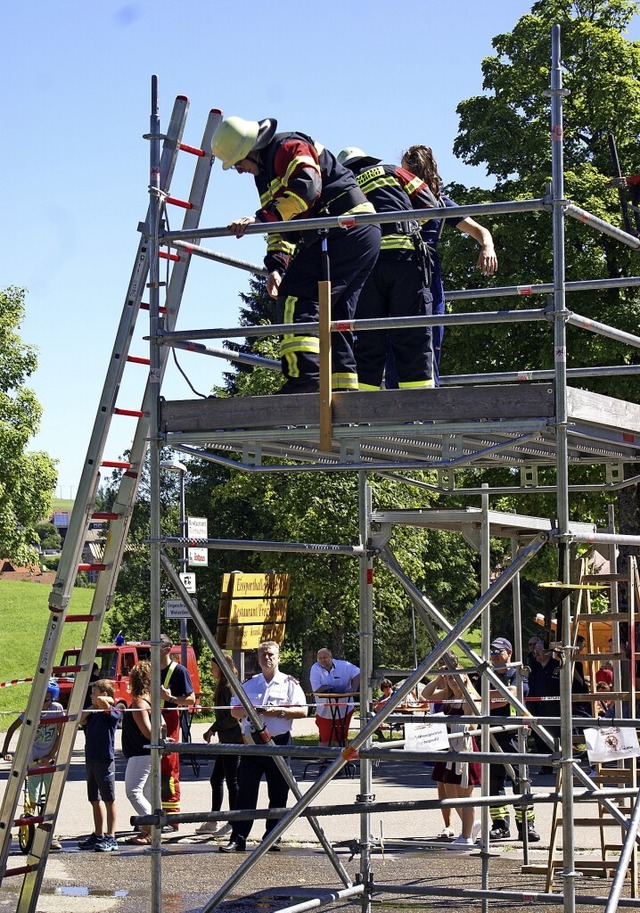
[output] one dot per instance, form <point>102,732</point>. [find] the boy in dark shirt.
<point>101,721</point>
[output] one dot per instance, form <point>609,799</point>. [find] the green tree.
<point>507,130</point>
<point>49,536</point>
<point>27,479</point>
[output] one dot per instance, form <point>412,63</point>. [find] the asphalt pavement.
<point>406,851</point>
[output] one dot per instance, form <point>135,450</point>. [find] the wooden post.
<point>324,320</point>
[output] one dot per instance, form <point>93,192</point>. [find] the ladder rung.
<point>145,307</point>
<point>103,515</point>
<point>191,149</point>
<point>65,671</point>
<point>604,578</point>
<point>165,255</point>
<point>183,204</point>
<point>30,819</point>
<point>133,413</point>
<point>116,464</point>
<point>138,360</point>
<point>594,657</point>
<point>21,870</point>
<point>87,567</point>
<point>592,822</point>
<point>602,616</point>
<point>47,768</point>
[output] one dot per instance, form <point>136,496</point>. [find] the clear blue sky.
<point>74,168</point>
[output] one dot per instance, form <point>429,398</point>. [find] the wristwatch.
<point>281,714</point>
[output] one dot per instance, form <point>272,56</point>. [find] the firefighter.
<point>399,284</point>
<point>296,177</point>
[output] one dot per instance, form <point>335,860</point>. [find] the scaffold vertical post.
<point>560,364</point>
<point>155,374</point>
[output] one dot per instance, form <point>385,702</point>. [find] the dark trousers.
<point>250,772</point>
<point>497,781</point>
<point>395,288</point>
<point>225,770</point>
<point>352,255</point>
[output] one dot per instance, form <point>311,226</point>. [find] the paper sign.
<point>611,744</point>
<point>426,736</point>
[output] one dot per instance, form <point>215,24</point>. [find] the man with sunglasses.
<point>501,651</point>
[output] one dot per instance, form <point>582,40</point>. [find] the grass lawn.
<point>24,615</point>
<point>63,504</point>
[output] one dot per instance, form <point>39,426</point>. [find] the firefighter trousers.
<point>395,288</point>
<point>170,766</point>
<point>352,255</point>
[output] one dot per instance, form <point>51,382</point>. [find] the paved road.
<point>192,869</point>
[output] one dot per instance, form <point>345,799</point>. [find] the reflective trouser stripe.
<point>415,384</point>
<point>367,387</point>
<point>531,815</point>
<point>344,381</point>
<point>499,812</point>
<point>291,344</point>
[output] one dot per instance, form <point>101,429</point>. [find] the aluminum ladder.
<point>84,511</point>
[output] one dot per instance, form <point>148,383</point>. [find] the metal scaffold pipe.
<point>373,218</point>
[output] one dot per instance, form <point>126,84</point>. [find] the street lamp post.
<point>181,469</point>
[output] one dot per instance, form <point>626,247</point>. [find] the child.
<point>101,720</point>
<point>44,748</point>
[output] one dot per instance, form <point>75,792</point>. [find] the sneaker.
<point>170,828</point>
<point>447,833</point>
<point>107,845</point>
<point>500,830</point>
<point>55,844</point>
<point>461,843</point>
<point>210,828</point>
<point>532,835</point>
<point>233,846</point>
<point>89,843</point>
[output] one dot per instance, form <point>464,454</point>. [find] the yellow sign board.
<point>257,611</point>
<point>255,585</point>
<point>248,637</point>
<point>253,608</point>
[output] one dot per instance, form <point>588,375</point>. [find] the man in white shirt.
<point>333,714</point>
<point>280,700</point>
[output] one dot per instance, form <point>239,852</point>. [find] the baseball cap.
<point>501,643</point>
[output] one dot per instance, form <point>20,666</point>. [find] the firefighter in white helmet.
<point>297,177</point>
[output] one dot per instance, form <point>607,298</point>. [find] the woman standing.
<point>419,160</point>
<point>225,768</point>
<point>136,736</point>
<point>457,779</point>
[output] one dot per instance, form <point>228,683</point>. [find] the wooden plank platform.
<point>447,427</point>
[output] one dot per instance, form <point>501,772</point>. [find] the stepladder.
<point>605,635</point>
<point>116,519</point>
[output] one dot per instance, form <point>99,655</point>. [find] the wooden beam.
<point>324,298</point>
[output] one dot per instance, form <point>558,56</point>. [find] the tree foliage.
<point>27,479</point>
<point>507,129</point>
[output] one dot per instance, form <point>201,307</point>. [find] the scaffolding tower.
<point>522,421</point>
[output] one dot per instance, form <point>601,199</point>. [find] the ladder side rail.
<point>87,488</point>
<point>126,496</point>
<point>125,499</point>
<point>123,506</point>
<point>83,507</point>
